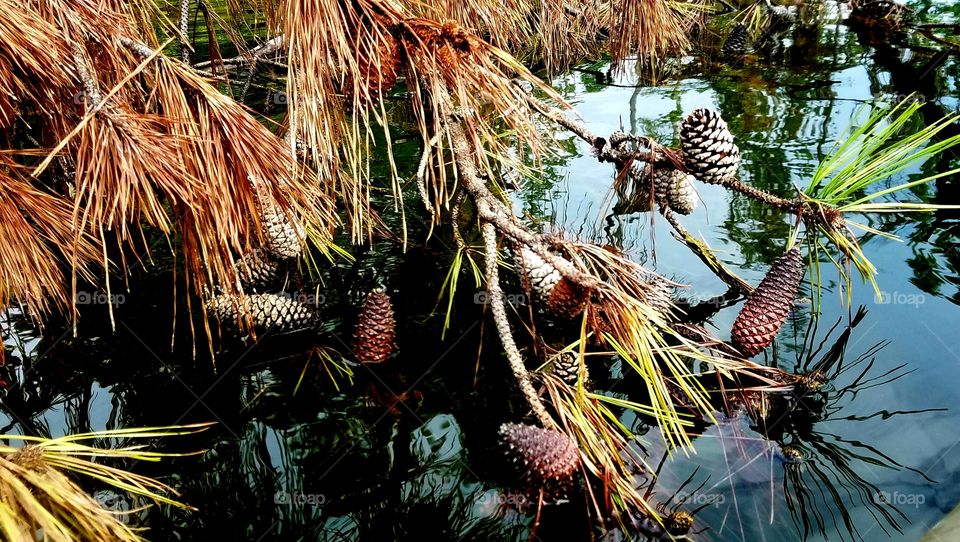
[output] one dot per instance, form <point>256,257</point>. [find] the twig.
<point>786,205</point>
<point>495,295</point>
<point>561,118</point>
<point>706,255</point>
<point>455,218</point>
<point>249,81</point>
<point>611,153</point>
<point>90,89</point>
<point>184,30</point>
<point>491,209</point>
<point>422,172</point>
<point>144,51</point>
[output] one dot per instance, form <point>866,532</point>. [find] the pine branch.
<point>495,295</point>
<point>705,254</point>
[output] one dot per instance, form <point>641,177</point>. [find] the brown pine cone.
<point>547,459</point>
<point>373,336</point>
<point>767,308</point>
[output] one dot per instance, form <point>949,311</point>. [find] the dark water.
<point>405,451</point>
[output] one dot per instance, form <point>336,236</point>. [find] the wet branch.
<point>706,255</point>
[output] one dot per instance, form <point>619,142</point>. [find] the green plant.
<point>844,184</point>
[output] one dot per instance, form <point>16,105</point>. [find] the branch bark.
<point>495,295</point>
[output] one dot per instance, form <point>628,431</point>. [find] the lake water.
<point>405,452</point>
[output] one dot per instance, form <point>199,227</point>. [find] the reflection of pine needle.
<point>331,363</point>
<point>37,495</point>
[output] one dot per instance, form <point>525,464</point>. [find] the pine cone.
<point>767,308</point>
<point>736,42</point>
<point>547,458</point>
<point>675,187</point>
<point>543,277</point>
<point>259,272</point>
<point>563,296</point>
<point>568,299</point>
<point>267,312</point>
<point>708,148</point>
<point>780,16</point>
<point>808,383</point>
<point>282,237</point>
<point>373,336</point>
<point>659,296</point>
<point>379,70</point>
<point>566,366</point>
<point>678,523</point>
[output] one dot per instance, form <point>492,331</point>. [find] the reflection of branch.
<point>928,33</point>
<point>706,255</point>
<point>268,48</point>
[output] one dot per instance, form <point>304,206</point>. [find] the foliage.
<point>864,158</point>
<point>39,495</point>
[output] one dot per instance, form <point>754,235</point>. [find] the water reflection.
<point>794,442</point>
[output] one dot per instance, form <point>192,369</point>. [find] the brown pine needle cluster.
<point>132,142</point>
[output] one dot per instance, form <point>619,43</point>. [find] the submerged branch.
<point>706,255</point>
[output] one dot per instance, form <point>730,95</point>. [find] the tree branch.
<point>495,295</point>
<point>706,255</point>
